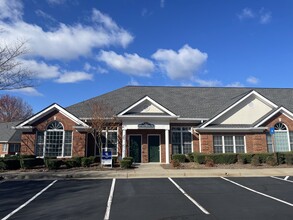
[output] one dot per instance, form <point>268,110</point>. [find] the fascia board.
<point>150,100</point>
<point>252,129</point>
<point>285,111</point>
<point>238,102</point>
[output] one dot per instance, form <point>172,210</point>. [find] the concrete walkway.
<point>145,171</point>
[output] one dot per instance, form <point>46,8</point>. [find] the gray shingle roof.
<point>188,102</point>
<point>7,134</point>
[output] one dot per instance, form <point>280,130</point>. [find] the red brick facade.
<point>28,139</point>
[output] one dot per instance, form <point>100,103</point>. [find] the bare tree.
<point>13,109</point>
<point>102,120</point>
<point>13,75</point>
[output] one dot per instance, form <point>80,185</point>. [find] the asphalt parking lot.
<point>162,198</point>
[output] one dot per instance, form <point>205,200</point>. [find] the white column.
<point>167,146</point>
<point>123,143</point>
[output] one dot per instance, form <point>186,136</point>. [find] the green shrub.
<point>190,157</point>
<point>271,160</point>
<point>28,163</point>
<point>255,160</point>
<point>23,156</point>
<point>245,158</point>
<point>289,158</point>
<point>12,163</point>
<point>180,157</point>
<point>129,158</point>
<point>53,164</point>
<point>263,156</point>
<point>227,158</point>
<point>77,161</point>
<point>2,165</point>
<point>70,163</point>
<point>126,163</point>
<point>86,161</point>
<point>199,158</point>
<point>46,159</point>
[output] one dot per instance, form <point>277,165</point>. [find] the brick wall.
<point>28,141</point>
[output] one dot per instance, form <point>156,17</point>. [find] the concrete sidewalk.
<point>145,171</point>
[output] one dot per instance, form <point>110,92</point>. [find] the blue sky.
<point>80,49</point>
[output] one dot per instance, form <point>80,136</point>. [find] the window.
<point>281,141</point>
<point>229,144</point>
<point>14,148</point>
<point>4,147</point>
<point>54,142</point>
<point>109,141</point>
<point>181,140</point>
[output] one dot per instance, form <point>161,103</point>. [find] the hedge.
<point>53,164</point>
<point>126,162</point>
<point>199,158</point>
<point>28,163</point>
<point>181,158</point>
<point>227,158</point>
<point>12,163</point>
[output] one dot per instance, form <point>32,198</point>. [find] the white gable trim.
<point>151,101</point>
<point>264,99</point>
<point>47,111</point>
<point>282,109</point>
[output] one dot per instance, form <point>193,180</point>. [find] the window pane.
<point>176,143</point>
<point>269,142</point>
<point>112,142</point>
<point>54,140</point>
<point>187,138</point>
<point>4,147</point>
<point>281,141</point>
<point>218,146</point>
<point>68,144</point>
<point>228,141</point>
<point>40,144</point>
<point>291,139</point>
<point>239,142</point>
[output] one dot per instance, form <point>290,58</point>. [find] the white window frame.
<point>234,143</point>
<point>63,142</point>
<point>106,137</point>
<point>181,136</point>
<point>5,148</point>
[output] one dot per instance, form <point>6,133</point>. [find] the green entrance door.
<point>135,148</point>
<point>154,148</point>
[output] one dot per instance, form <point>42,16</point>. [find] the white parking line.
<point>27,202</point>
<point>285,179</point>
<point>189,197</point>
<point>110,199</point>
<point>260,193</point>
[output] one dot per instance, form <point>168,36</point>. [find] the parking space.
<point>173,198</point>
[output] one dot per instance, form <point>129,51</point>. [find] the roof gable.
<point>146,107</point>
<point>247,110</point>
<point>281,109</point>
<point>46,111</point>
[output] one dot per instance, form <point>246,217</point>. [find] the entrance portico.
<point>151,122</point>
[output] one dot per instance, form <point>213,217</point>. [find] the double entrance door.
<point>153,144</point>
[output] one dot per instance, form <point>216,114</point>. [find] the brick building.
<point>152,123</point>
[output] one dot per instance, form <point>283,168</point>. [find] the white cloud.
<point>11,10</point>
<point>235,84</point>
<point>246,13</point>
<point>131,64</point>
<point>56,2</point>
<point>88,67</point>
<point>183,64</point>
<point>41,70</point>
<point>64,41</point>
<point>73,77</point>
<point>162,3</point>
<point>133,82</point>
<point>44,15</point>
<point>30,91</point>
<point>208,83</point>
<point>265,16</point>
<point>252,80</point>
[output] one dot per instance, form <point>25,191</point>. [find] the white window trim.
<point>106,144</point>
<point>63,143</point>
<point>234,143</point>
<point>181,136</point>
